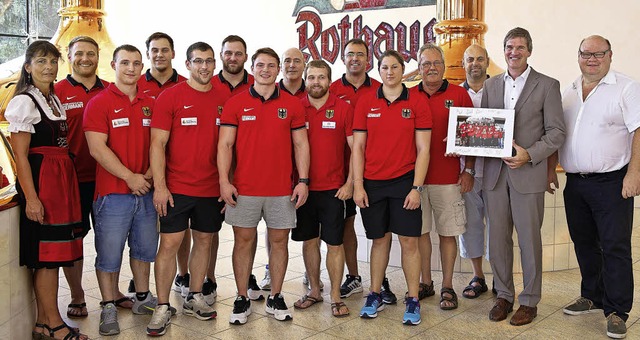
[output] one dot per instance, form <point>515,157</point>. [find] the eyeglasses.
<point>199,61</point>
<point>428,64</point>
<point>353,54</point>
<point>588,55</point>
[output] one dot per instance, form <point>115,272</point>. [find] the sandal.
<point>306,301</point>
<point>77,310</point>
<point>453,299</point>
<point>39,335</point>
<point>477,290</point>
<point>121,302</point>
<point>72,335</point>
<point>339,309</point>
<point>425,291</point>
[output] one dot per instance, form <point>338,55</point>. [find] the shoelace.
<point>370,299</point>
<point>111,316</point>
<point>238,305</point>
<point>411,306</point>
<point>278,302</point>
<point>157,317</point>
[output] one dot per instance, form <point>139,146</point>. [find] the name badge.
<point>120,122</point>
<point>246,118</point>
<point>328,125</point>
<point>146,121</point>
<point>189,121</point>
<point>218,121</point>
<point>373,115</point>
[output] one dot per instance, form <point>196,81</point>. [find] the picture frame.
<point>480,132</point>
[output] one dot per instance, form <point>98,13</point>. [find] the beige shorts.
<point>278,212</point>
<point>445,204</point>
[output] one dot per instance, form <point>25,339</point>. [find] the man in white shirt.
<point>472,245</point>
<point>603,176</point>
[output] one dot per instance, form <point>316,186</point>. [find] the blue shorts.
<point>120,218</point>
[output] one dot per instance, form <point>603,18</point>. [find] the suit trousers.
<point>507,207</point>
<point>600,222</point>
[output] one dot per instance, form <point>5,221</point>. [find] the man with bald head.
<point>292,68</point>
<point>475,62</point>
<point>603,176</point>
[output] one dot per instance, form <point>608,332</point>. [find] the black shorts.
<point>198,213</point>
<point>349,208</point>
<point>86,204</point>
<point>385,212</point>
<point>322,215</point>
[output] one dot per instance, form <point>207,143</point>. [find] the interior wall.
<point>556,27</point>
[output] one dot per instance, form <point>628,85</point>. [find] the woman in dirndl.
<point>50,221</point>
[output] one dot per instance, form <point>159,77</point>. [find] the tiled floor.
<point>469,321</point>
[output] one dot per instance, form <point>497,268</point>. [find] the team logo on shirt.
<point>282,113</point>
<point>146,111</point>
<point>448,103</point>
<point>328,114</point>
<point>219,109</point>
<point>406,113</point>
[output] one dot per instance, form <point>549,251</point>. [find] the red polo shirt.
<point>148,85</point>
<point>343,89</point>
<point>127,124</point>
<point>225,87</point>
<point>192,118</point>
<point>390,150</point>
<point>300,93</point>
<point>328,129</point>
<point>74,97</point>
<point>442,169</point>
<point>263,140</point>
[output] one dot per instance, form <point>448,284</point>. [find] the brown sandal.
<point>77,310</point>
<point>306,302</point>
<point>339,309</point>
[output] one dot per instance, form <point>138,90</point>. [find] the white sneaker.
<point>265,284</point>
<point>181,284</point>
<point>241,311</point>
<point>306,282</point>
<point>146,306</point>
<point>253,291</point>
<point>198,308</point>
<point>160,320</point>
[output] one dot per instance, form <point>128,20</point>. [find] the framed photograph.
<point>480,132</point>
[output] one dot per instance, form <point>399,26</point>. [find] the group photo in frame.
<point>480,132</point>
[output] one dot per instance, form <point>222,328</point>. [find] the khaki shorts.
<point>447,205</point>
<point>278,212</point>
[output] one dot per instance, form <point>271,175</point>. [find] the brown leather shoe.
<point>524,315</point>
<point>500,310</point>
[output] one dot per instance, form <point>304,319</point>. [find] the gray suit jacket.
<point>539,128</point>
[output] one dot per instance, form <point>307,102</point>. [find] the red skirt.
<point>58,240</point>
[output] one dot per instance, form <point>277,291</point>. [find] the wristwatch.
<point>470,171</point>
<point>418,188</point>
<point>304,180</point>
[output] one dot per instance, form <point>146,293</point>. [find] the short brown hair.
<point>318,63</point>
<point>518,32</point>
<point>265,50</point>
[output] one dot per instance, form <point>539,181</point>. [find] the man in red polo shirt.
<point>353,84</point>
<point>117,124</point>
<point>161,75</point>
<point>264,126</point>
<point>184,139</point>
<point>74,92</point>
<point>292,68</point>
<point>233,78</point>
<point>445,182</point>
<point>329,122</point>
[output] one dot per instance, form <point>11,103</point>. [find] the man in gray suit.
<point>514,186</point>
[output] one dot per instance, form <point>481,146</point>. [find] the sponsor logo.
<point>374,115</point>
<point>146,121</point>
<point>146,91</point>
<point>117,111</point>
<point>189,121</point>
<point>329,114</point>
<point>328,125</point>
<point>374,109</point>
<point>146,111</point>
<point>282,113</point>
<point>406,113</point>
<point>120,122</point>
<point>74,105</point>
<point>69,98</point>
<point>248,109</point>
<point>246,118</point>
<point>187,106</point>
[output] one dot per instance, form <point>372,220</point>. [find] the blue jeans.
<point>120,218</point>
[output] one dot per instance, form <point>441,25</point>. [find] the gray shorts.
<point>278,212</point>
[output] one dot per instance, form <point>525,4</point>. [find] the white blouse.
<point>22,114</point>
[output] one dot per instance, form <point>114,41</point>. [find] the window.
<point>24,21</point>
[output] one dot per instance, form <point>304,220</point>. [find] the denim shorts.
<point>120,218</point>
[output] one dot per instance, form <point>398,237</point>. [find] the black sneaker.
<point>388,298</point>
<point>352,285</point>
<point>241,311</point>
<point>278,308</point>
<point>253,291</point>
<point>181,284</point>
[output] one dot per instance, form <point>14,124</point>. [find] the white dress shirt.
<point>513,88</point>
<point>476,98</point>
<point>600,128</point>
